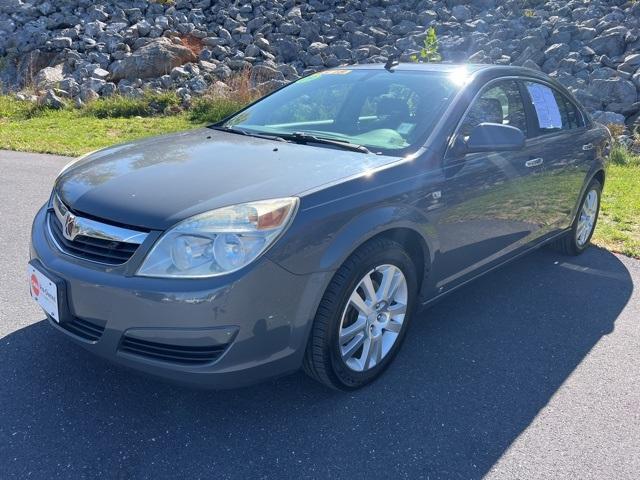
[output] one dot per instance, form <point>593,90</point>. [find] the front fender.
<point>324,245</point>
<point>370,224</point>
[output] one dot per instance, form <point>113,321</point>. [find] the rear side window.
<point>553,111</point>
<point>500,103</point>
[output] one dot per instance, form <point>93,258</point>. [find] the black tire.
<point>322,360</point>
<point>567,244</point>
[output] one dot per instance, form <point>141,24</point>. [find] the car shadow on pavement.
<point>475,370</point>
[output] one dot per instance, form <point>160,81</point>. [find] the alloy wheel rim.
<point>587,218</point>
<point>373,317</point>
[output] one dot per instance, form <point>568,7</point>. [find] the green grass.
<point>207,110</point>
<point>126,107</point>
<point>618,227</point>
<point>72,132</point>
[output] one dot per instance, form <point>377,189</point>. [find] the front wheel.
<point>363,316</point>
<point>577,239</point>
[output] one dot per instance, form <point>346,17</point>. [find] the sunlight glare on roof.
<point>460,76</point>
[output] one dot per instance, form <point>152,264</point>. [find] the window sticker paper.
<point>546,106</point>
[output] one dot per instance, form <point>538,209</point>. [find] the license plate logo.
<point>35,285</point>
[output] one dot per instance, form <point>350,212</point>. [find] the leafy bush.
<point>430,51</point>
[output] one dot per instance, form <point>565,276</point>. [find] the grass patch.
<point>12,109</point>
<point>211,110</point>
<point>119,106</point>
<point>618,227</point>
<point>620,155</point>
<point>69,132</point>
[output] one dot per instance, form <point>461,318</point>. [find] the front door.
<point>487,196</point>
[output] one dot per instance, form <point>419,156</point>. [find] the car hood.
<point>155,183</point>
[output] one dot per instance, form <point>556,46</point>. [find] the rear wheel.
<point>577,239</point>
<point>363,316</point>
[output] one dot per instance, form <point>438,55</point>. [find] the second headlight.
<point>220,241</point>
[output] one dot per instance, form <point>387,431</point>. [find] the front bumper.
<point>252,324</point>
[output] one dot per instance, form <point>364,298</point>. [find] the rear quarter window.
<point>554,112</point>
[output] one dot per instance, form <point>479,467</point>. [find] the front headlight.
<point>220,241</point>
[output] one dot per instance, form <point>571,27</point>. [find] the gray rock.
<point>531,64</point>
<point>614,91</point>
<point>263,44</point>
<point>49,77</point>
<point>611,44</point>
<point>87,94</point>
<point>108,89</point>
<point>143,28</point>
<point>70,86</point>
<point>461,12</point>
<point>607,118</point>
<point>316,48</point>
<point>154,59</point>
<point>61,42</point>
<point>51,100</point>
<point>178,73</point>
<point>100,73</point>
<point>94,29</point>
<point>94,84</point>
<point>287,50</point>
<point>557,50</point>
<point>631,63</point>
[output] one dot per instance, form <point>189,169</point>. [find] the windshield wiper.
<point>240,131</point>
<point>305,138</point>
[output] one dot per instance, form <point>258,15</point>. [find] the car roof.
<point>481,72</point>
<point>448,67</point>
<point>425,67</point>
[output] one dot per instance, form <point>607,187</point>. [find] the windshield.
<point>390,113</point>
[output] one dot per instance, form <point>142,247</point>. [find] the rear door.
<point>564,145</point>
<point>488,196</point>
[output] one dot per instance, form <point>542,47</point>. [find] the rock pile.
<point>82,49</point>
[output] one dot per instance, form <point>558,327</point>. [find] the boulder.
<point>49,77</point>
<point>611,44</point>
<point>156,58</point>
<point>51,100</point>
<point>614,91</point>
<point>631,63</point>
<point>607,118</point>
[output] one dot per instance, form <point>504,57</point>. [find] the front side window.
<point>388,112</point>
<point>554,112</point>
<point>499,103</point>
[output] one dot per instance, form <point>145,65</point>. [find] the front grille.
<point>94,249</point>
<point>185,355</point>
<point>84,329</point>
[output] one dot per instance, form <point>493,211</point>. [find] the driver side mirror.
<point>494,137</point>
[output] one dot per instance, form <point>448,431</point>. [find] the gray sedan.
<point>306,229</point>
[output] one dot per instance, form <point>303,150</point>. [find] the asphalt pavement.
<point>531,372</point>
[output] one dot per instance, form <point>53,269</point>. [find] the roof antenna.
<point>392,61</point>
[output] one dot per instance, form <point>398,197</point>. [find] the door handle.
<point>534,162</point>
<point>587,146</point>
